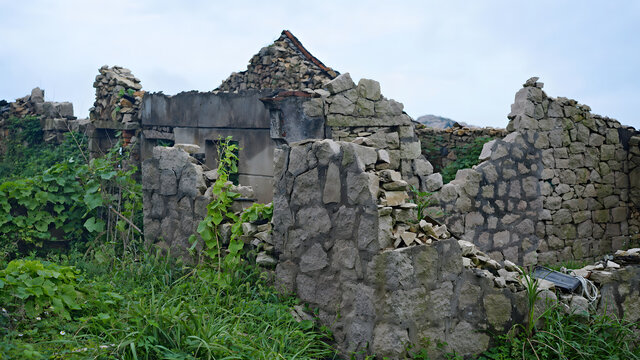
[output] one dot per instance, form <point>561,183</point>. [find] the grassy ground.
<point>152,308</point>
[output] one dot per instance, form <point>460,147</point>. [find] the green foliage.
<point>565,336</point>
<point>31,209</point>
<point>219,210</point>
<point>30,287</point>
<point>128,92</point>
<point>424,200</point>
<point>26,155</point>
<point>532,286</point>
<point>569,337</point>
<point>432,149</point>
<point>169,311</point>
<point>466,158</point>
<point>71,201</point>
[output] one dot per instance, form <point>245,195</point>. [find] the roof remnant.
<point>286,65</point>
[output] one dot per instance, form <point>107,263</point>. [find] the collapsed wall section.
<point>361,114</point>
<point>174,198</point>
<point>441,147</point>
<point>334,232</point>
<point>56,118</point>
<point>334,235</point>
<point>557,188</point>
<point>205,118</point>
<point>115,110</point>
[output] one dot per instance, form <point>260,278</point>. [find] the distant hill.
<point>439,122</point>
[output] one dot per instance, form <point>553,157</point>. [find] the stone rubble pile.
<point>400,217</point>
<point>285,64</point>
<point>118,95</point>
<point>507,275</point>
<point>602,273</point>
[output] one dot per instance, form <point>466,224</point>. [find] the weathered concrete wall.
<point>203,118</point>
<point>555,189</point>
<point>443,146</point>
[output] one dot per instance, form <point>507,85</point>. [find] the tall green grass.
<point>170,311</point>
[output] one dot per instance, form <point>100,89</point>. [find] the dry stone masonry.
<point>285,64</point>
<point>334,237</point>
<point>558,184</point>
<point>442,146</point>
<point>555,189</point>
<point>116,108</point>
<point>176,192</point>
<point>360,114</point>
<point>56,118</point>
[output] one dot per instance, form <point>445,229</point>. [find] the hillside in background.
<point>439,122</point>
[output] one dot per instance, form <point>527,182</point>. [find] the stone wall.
<point>285,64</point>
<point>634,168</point>
<point>174,198</point>
<point>443,146</point>
<point>116,109</point>
<point>361,114</point>
<point>202,118</point>
<point>347,247</point>
<point>557,188</point>
<point>335,238</point>
<point>176,191</point>
<point>56,118</point>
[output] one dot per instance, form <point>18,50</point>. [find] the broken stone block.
<point>189,148</point>
<point>396,185</point>
<point>408,237</point>
<point>341,83</point>
<point>389,176</point>
<point>468,248</point>
<point>266,260</point>
<point>395,198</point>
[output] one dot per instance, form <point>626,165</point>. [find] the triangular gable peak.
<point>285,64</point>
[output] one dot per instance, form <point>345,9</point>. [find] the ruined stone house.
<point>337,159</point>
<point>558,184</point>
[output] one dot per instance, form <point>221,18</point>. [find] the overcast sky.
<point>459,59</point>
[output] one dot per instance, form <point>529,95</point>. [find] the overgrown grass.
<point>570,337</point>
<point>168,311</point>
<point>565,336</point>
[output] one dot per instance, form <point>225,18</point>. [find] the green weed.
<point>467,157</point>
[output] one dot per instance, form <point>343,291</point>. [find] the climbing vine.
<point>219,211</point>
<point>72,201</point>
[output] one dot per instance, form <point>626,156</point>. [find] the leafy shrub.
<point>169,311</point>
<point>30,287</point>
<point>72,201</point>
<point>467,157</point>
<point>24,154</point>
